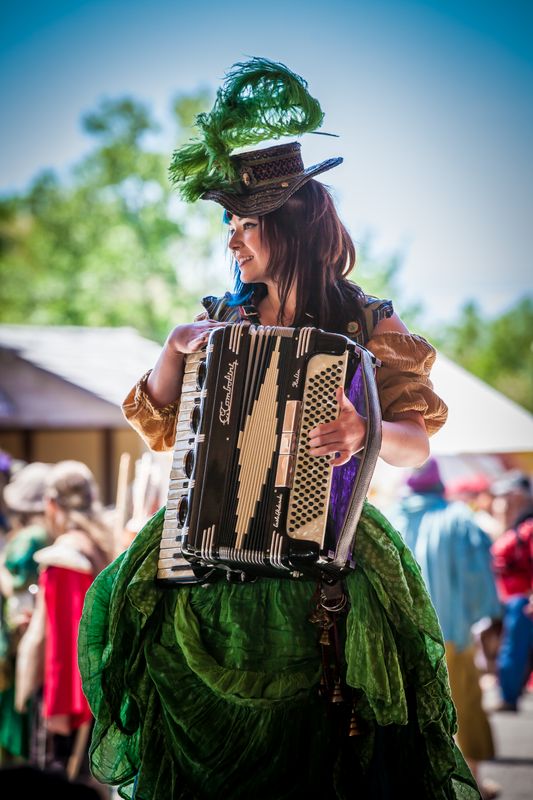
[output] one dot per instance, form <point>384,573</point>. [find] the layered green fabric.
<point>212,691</point>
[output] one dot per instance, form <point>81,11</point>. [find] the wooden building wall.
<point>46,418</point>
<point>99,449</point>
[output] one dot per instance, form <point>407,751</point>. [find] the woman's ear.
<point>54,514</point>
<point>49,507</point>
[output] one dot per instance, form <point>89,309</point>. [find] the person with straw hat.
<point>214,691</point>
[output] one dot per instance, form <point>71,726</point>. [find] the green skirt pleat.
<point>212,691</point>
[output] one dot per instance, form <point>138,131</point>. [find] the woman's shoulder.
<point>382,308</point>
<point>223,308</point>
<point>372,310</point>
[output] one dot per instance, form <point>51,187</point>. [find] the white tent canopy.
<point>480,419</point>
<point>482,425</point>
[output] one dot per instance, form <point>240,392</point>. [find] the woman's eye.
<point>249,225</point>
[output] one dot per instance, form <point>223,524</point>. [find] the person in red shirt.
<point>81,548</point>
<point>512,554</point>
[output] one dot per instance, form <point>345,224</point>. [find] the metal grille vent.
<point>310,493</point>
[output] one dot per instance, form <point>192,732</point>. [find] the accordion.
<point>245,496</point>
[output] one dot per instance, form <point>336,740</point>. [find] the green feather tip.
<point>259,100</point>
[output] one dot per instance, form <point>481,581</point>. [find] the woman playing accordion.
<point>277,687</point>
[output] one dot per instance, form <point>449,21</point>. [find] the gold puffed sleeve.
<point>156,426</point>
<point>403,378</point>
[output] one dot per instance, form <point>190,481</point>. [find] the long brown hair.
<point>73,487</point>
<point>311,248</point>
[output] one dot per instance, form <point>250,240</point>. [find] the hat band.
<point>272,170</point>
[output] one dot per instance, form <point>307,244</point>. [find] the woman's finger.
<point>327,449</point>
<point>327,439</point>
<point>324,429</point>
<point>342,401</point>
<point>197,343</point>
<point>342,458</point>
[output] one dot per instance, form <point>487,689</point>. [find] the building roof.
<point>103,361</point>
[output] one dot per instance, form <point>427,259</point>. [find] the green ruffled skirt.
<point>212,691</point>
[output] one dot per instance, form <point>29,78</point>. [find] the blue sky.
<point>432,102</point>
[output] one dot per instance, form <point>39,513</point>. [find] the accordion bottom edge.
<point>301,560</point>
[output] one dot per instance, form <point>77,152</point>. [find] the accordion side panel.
<point>309,503</point>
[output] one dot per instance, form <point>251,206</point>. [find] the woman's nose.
<point>234,241</point>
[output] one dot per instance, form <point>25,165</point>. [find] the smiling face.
<point>249,250</point>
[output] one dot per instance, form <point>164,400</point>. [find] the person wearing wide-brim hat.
<point>24,501</point>
<point>80,547</point>
<point>214,691</point>
<point>24,492</point>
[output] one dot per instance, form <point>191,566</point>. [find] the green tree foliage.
<point>110,245</point>
<point>498,350</point>
<point>379,276</point>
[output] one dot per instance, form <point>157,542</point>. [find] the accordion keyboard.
<point>172,564</point>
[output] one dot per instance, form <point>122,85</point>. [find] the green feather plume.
<point>259,100</point>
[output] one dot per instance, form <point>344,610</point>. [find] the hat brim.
<point>264,199</point>
<point>18,504</point>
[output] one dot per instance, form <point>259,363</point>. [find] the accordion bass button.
<point>195,418</point>
<point>201,372</point>
<point>188,463</point>
<point>182,510</point>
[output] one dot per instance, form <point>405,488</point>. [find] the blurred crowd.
<point>472,539</point>
<point>55,541</point>
<point>55,538</point>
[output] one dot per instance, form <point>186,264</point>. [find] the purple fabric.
<point>427,479</point>
<point>344,476</point>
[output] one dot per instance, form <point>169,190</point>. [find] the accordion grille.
<point>309,503</point>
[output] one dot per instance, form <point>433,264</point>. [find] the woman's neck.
<point>270,305</point>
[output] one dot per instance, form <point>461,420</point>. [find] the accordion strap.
<point>367,466</point>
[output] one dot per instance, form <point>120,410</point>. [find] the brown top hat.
<point>268,177</point>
